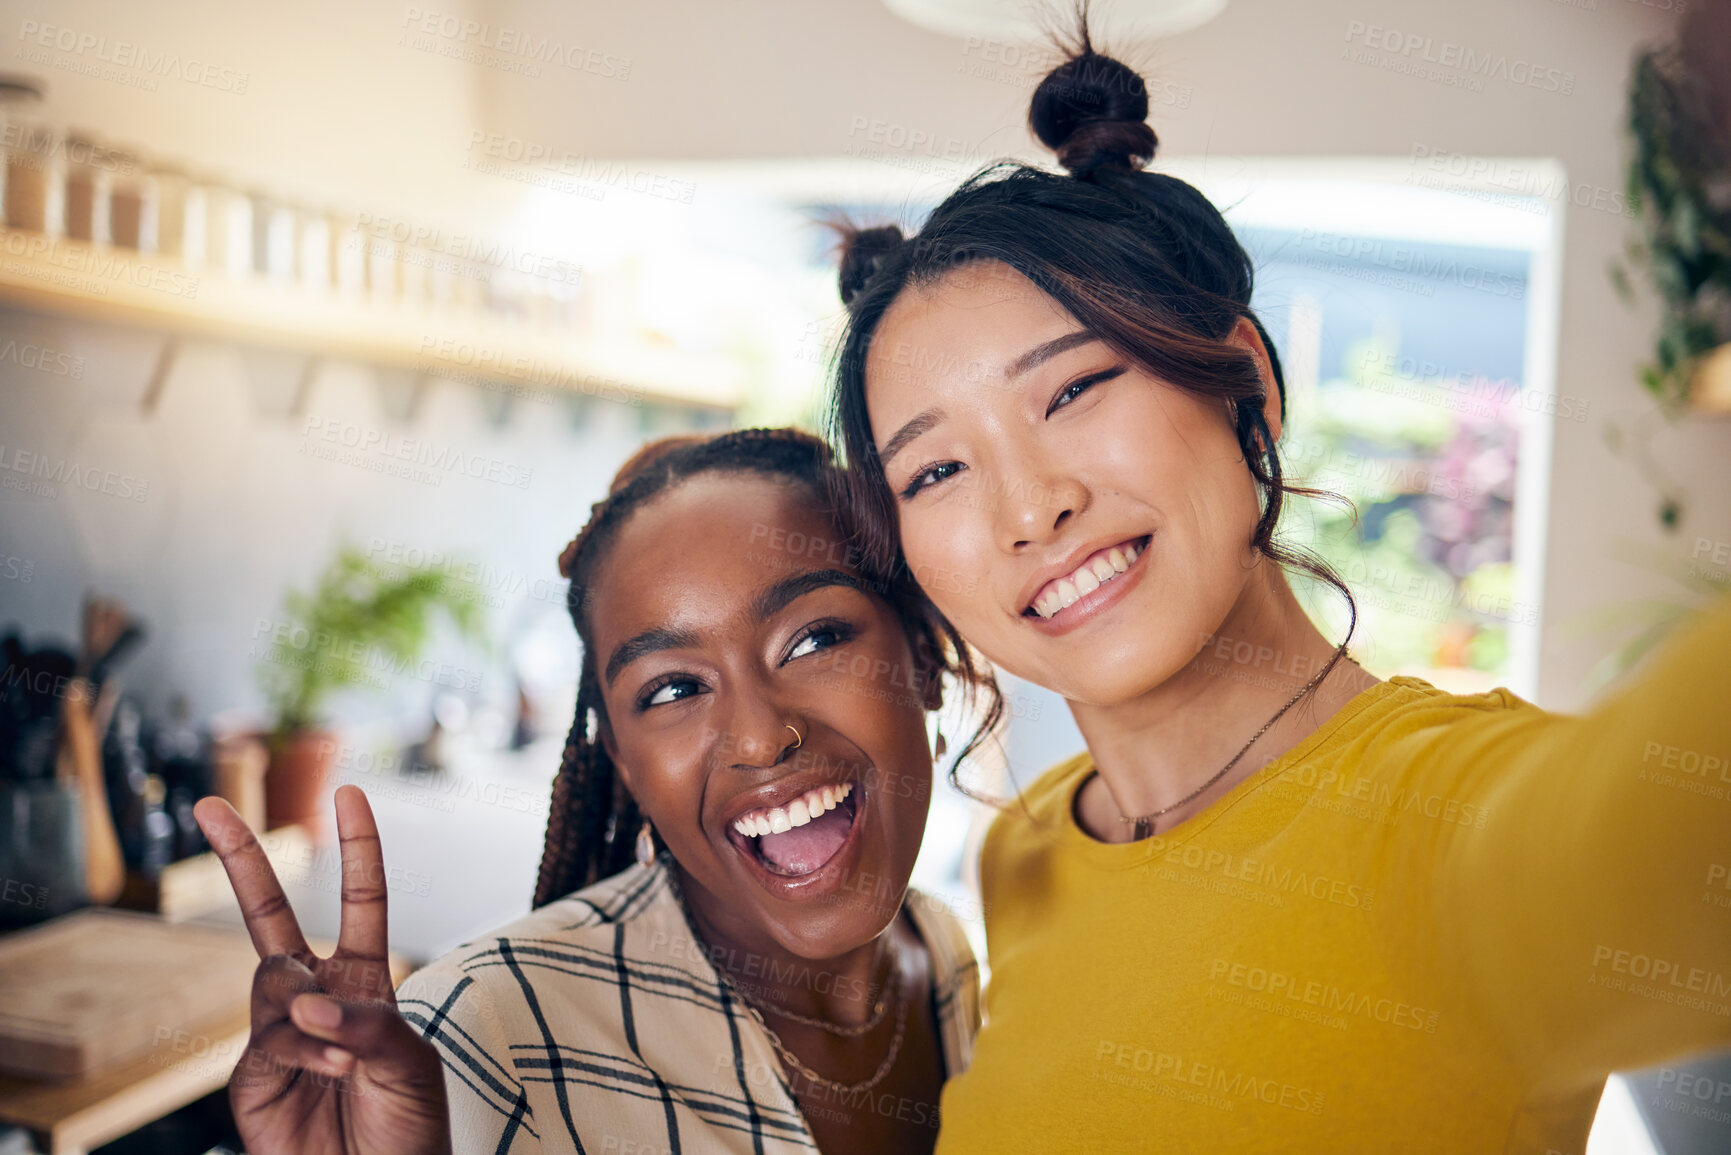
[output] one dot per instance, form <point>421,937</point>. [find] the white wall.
<point>217,503</point>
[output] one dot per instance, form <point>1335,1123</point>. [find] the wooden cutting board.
<point>98,987</point>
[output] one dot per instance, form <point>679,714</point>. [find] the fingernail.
<point>321,1012</point>
<point>337,1057</point>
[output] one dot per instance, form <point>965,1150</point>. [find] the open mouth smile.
<point>798,839</point>
<point>1097,569</point>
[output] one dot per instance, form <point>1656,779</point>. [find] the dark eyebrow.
<point>769,603</point>
<point>924,423</point>
<point>644,644</point>
<point>795,586</point>
<point>1040,354</point>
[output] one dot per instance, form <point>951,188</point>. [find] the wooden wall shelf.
<point>122,286</point>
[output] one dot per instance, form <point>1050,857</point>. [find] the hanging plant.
<point>1679,185</point>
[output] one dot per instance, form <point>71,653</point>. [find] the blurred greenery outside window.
<point>1405,395</point>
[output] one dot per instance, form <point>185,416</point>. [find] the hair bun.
<point>1092,111</point>
<point>862,252</point>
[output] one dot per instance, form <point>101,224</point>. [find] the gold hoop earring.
<point>797,740</point>
<point>645,844</point>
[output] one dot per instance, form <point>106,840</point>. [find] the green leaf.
<point>361,619</point>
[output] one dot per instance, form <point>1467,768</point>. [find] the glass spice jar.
<point>131,204</point>
<point>172,190</point>
<point>88,173</point>
<point>29,158</point>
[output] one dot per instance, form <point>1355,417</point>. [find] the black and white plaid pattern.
<point>599,1024</point>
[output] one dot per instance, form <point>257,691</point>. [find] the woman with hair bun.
<point>1278,905</point>
<point>724,956</point>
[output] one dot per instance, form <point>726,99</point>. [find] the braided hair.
<point>593,821</point>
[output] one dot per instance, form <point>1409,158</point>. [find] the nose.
<point>1035,509</point>
<point>761,735</point>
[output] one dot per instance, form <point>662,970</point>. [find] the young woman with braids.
<point>1278,905</point>
<point>721,958</point>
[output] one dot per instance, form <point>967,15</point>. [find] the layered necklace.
<point>1142,825</point>
<point>891,991</point>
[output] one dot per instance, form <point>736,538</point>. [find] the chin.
<point>1103,675</point>
<point>841,920</point>
<point>1104,693</point>
<point>826,935</point>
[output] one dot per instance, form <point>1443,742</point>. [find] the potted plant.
<point>361,624</point>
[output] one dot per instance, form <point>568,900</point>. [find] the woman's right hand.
<point>330,1066</point>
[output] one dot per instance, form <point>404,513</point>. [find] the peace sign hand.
<point>330,1066</point>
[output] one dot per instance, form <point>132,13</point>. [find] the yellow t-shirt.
<point>1433,925</point>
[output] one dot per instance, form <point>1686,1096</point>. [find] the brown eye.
<point>931,476</point>
<point>668,691</point>
<point>821,637</point>
<point>1076,388</point>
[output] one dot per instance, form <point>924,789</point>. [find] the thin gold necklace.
<point>891,982</point>
<point>892,987</point>
<point>1143,824</point>
<point>793,1060</point>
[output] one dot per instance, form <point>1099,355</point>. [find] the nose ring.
<point>797,740</point>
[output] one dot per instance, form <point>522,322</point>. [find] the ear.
<point>1244,334</point>
<point>604,735</point>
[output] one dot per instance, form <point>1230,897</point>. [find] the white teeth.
<point>796,813</point>
<point>1088,577</point>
